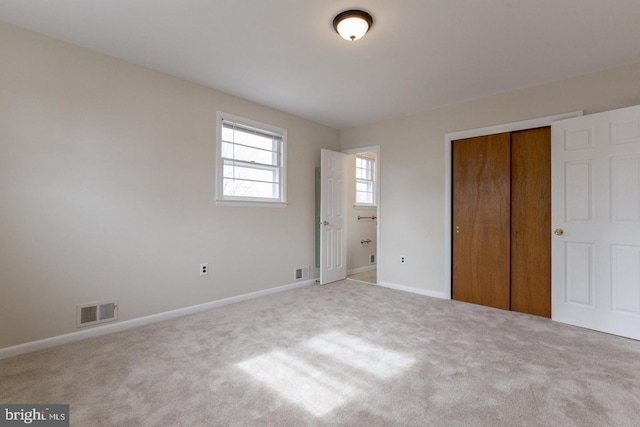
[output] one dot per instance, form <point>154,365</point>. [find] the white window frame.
<point>221,199</point>
<point>373,182</point>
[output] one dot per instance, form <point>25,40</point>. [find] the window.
<point>365,181</point>
<point>251,161</point>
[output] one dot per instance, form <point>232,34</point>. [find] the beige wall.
<point>412,177</point>
<point>107,191</point>
<point>107,185</point>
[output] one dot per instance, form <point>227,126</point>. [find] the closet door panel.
<point>531,221</point>
<point>481,220</point>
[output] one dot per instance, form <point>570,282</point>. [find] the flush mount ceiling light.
<point>352,24</point>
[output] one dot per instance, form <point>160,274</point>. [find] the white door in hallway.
<point>333,201</point>
<point>596,221</point>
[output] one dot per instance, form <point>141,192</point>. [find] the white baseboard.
<point>362,269</point>
<point>441,295</point>
<point>141,321</point>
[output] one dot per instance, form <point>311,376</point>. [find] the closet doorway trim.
<point>490,130</point>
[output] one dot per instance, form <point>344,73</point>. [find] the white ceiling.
<point>419,55</point>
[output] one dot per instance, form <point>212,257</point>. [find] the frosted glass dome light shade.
<point>352,24</point>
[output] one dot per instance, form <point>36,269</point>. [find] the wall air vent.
<point>302,273</point>
<point>95,313</point>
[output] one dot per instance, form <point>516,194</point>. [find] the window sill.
<point>250,204</point>
<point>364,207</point>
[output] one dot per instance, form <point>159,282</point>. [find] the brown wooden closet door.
<point>481,217</point>
<point>531,221</point>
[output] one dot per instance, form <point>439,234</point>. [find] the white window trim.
<point>249,201</point>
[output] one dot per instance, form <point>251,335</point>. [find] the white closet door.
<point>596,221</point>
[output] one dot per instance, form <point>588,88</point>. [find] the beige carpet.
<point>340,354</point>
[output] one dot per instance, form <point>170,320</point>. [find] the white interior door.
<point>333,200</point>
<point>596,216</point>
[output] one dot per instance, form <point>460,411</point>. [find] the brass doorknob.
<point>324,223</point>
<point>558,231</point>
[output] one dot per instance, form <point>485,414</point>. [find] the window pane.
<point>365,186</point>
<point>363,198</point>
<point>240,188</point>
<point>247,172</point>
<point>253,140</point>
<point>364,168</point>
<point>250,138</point>
<point>367,174</point>
<point>248,154</point>
<point>227,134</point>
<point>227,150</point>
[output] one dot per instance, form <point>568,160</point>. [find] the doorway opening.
<point>347,215</point>
<point>362,213</point>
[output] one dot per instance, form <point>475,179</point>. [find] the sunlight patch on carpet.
<point>299,382</point>
<point>301,378</point>
<point>360,354</point>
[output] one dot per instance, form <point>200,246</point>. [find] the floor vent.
<point>98,312</point>
<point>302,273</point>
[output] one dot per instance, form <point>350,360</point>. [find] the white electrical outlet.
<point>403,259</point>
<point>204,269</point>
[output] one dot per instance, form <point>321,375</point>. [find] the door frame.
<point>448,170</point>
<point>372,149</point>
